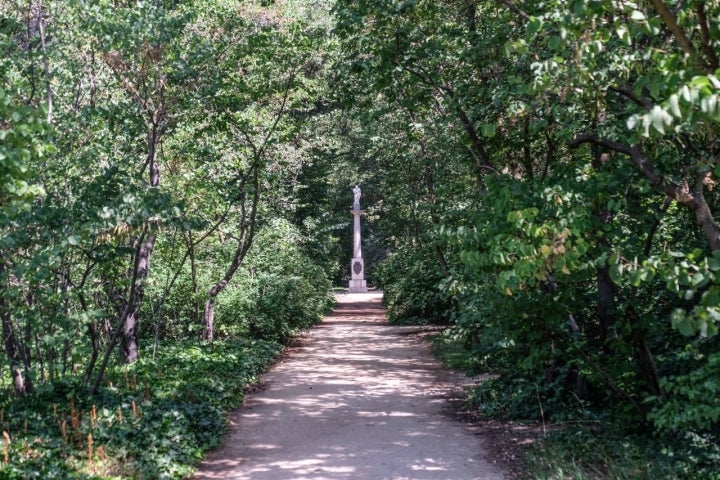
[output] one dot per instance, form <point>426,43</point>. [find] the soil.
<point>358,398</point>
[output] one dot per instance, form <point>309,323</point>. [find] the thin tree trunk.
<point>122,321</point>
<point>605,304</point>
<point>247,219</point>
<point>193,275</point>
<point>152,103</point>
<point>247,234</point>
<point>19,369</point>
<point>19,372</point>
<point>645,359</point>
<point>129,352</point>
<point>93,333</point>
<point>46,63</point>
<point>129,344</point>
<point>605,286</point>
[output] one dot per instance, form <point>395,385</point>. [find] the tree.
<point>22,144</point>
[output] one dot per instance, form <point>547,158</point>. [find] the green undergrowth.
<point>452,352</point>
<point>153,420</point>
<point>610,454</point>
<point>580,443</point>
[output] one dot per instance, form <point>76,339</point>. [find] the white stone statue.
<point>356,204</point>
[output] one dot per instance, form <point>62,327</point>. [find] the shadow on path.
<point>359,400</point>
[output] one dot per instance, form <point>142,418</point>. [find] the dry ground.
<point>361,399</point>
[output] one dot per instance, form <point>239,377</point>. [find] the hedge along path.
<point>360,399</point>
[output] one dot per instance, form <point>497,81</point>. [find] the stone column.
<point>357,245</point>
<point>357,266</point>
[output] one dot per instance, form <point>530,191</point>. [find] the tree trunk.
<point>126,311</point>
<point>605,304</point>
<point>19,367</point>
<point>129,344</point>
<point>193,276</point>
<point>247,234</point>
<point>209,317</point>
<point>149,95</point>
<point>94,343</point>
<point>646,361</point>
<point>46,63</point>
<point>244,245</point>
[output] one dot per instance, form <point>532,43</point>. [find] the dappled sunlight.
<point>359,400</point>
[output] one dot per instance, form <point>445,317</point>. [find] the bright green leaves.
<point>539,243</point>
<point>22,144</point>
<point>608,47</point>
<point>694,104</point>
<point>693,277</point>
<point>623,32</point>
<point>702,320</point>
<point>692,398</point>
<point>657,118</point>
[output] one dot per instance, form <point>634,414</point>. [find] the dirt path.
<point>359,400</point>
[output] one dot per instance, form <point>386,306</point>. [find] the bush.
<point>410,280</point>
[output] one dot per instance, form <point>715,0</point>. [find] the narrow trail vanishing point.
<point>360,399</point>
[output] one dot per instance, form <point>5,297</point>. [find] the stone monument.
<point>357,266</point>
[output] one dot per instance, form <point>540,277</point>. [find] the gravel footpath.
<point>358,399</point>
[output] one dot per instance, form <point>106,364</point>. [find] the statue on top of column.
<point>356,204</point>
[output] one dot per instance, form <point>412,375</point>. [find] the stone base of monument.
<point>357,276</point>
<point>357,286</point>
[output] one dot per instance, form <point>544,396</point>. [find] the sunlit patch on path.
<point>359,400</point>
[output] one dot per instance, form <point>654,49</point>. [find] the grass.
<point>451,352</point>
<point>605,454</point>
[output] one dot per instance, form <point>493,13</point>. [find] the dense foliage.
<point>152,420</point>
<point>548,173</point>
<point>154,254</point>
<point>175,181</point>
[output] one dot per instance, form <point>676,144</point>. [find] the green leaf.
<point>488,130</point>
<point>623,32</point>
<point>675,105</point>
<point>711,298</point>
<point>637,16</point>
<point>533,26</point>
<point>659,119</point>
<point>680,321</point>
<point>554,42</point>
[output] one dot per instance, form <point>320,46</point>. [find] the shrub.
<point>410,280</point>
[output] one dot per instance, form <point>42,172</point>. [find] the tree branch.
<point>514,8</point>
<point>692,199</point>
<point>637,157</point>
<point>671,22</point>
<point>628,93</point>
<point>603,142</point>
<point>706,40</point>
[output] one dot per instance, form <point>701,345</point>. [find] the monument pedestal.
<point>357,279</point>
<point>357,286</point>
